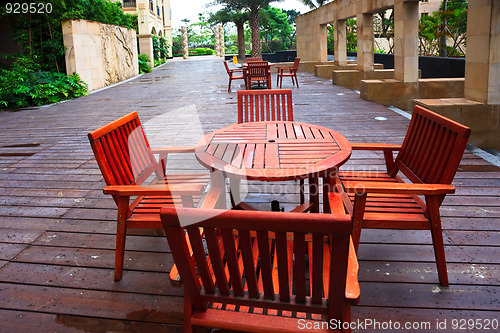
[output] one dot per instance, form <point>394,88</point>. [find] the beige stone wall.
<point>482,62</point>
<point>102,54</point>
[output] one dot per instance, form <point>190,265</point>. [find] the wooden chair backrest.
<point>123,152</point>
<point>265,105</point>
<point>254,59</point>
<point>257,69</point>
<point>238,267</point>
<point>432,149</point>
<point>296,63</point>
<point>227,68</point>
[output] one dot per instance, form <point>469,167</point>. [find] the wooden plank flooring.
<point>57,229</point>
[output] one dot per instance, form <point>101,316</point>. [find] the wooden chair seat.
<point>380,208</point>
<point>130,170</point>
<point>408,195</point>
<point>262,271</point>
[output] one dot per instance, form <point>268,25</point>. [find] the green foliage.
<point>25,84</point>
<point>160,48</point>
<point>351,37</point>
<point>201,51</point>
<point>40,35</point>
<point>144,63</point>
<point>275,29</point>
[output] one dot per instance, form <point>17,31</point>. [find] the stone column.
<point>365,42</point>
<point>482,62</point>
<point>221,41</point>
<point>217,43</point>
<point>185,50</point>
<point>146,47</point>
<point>406,40</point>
<point>340,42</point>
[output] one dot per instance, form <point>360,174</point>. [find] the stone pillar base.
<point>351,78</point>
<point>483,119</point>
<point>401,94</point>
<point>325,70</point>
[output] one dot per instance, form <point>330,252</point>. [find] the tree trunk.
<point>442,39</point>
<point>241,40</point>
<point>254,26</point>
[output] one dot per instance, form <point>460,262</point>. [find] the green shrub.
<point>203,51</point>
<point>25,85</point>
<point>159,62</point>
<point>144,64</point>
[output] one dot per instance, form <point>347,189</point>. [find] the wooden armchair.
<point>289,72</point>
<point>429,157</point>
<point>265,105</point>
<point>233,76</point>
<point>259,72</point>
<point>262,271</point>
<point>127,164</point>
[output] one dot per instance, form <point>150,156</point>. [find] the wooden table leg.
<point>314,193</point>
<point>234,191</point>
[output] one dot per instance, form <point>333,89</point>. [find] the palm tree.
<point>314,4</point>
<point>253,7</point>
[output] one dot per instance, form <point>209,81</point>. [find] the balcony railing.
<point>129,3</point>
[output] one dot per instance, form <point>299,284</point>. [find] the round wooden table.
<point>275,151</point>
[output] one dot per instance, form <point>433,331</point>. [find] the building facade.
<point>154,20</point>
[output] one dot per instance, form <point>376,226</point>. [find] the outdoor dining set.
<point>251,270</point>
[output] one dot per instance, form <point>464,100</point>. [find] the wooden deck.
<point>57,229</point>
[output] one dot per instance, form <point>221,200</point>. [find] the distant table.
<point>275,151</point>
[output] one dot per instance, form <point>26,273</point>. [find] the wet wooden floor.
<point>57,229</point>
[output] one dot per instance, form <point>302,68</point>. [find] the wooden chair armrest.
<point>375,146</point>
<point>352,290</point>
<point>153,190</point>
<point>304,208</point>
<point>173,150</point>
<point>397,188</point>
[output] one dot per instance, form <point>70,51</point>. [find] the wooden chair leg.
<point>437,238</point>
<point>121,234</point>
<point>357,218</point>
<point>346,318</point>
<point>296,80</point>
<point>229,86</point>
<point>188,311</point>
<point>302,191</point>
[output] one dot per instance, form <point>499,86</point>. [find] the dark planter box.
<point>278,56</point>
<point>430,67</point>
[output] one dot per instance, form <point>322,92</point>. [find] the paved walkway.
<point>57,228</point>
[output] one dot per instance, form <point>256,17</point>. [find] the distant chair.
<point>263,271</point>
<point>259,72</point>
<point>289,72</point>
<point>232,76</point>
<point>265,105</point>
